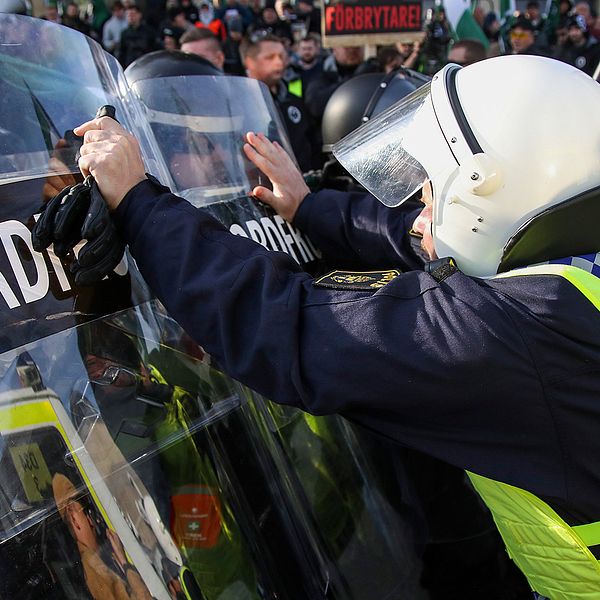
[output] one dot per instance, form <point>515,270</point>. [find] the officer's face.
<point>80,525</point>
<point>422,223</point>
<point>204,163</point>
<point>268,65</point>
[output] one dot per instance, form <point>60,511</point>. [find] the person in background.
<point>534,14</point>
<point>232,11</point>
<point>138,39</point>
<point>114,27</point>
<point>231,47</point>
<point>491,27</point>
<point>308,61</point>
<point>410,54</point>
<point>438,34</point>
<point>208,20</point>
<point>205,44</point>
<point>466,52</point>
<point>177,21</point>
<point>107,572</point>
<point>522,38</point>
<point>580,49</point>
<point>170,38</point>
<point>266,59</point>
<point>584,9</point>
<point>51,13</point>
<point>389,58</point>
<point>72,19</point>
<point>190,10</point>
<point>270,23</point>
<point>310,15</point>
<point>343,63</point>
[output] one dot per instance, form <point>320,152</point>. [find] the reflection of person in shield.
<point>103,581</point>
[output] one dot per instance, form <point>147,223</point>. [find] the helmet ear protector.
<point>557,232</point>
<point>479,173</point>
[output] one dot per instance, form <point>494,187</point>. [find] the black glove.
<point>104,249</point>
<point>79,213</point>
<point>75,214</point>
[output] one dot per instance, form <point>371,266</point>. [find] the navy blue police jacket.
<point>500,377</point>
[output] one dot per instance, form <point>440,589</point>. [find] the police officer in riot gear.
<point>488,358</point>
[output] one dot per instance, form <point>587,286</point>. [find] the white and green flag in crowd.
<point>463,22</point>
<point>507,8</point>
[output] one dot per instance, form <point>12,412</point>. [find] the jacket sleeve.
<point>438,366</point>
<point>267,323</point>
<point>354,230</point>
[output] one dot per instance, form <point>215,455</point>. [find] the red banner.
<point>355,18</point>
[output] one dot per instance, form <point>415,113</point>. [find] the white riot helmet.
<point>511,146</point>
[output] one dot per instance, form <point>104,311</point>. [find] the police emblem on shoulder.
<point>367,281</point>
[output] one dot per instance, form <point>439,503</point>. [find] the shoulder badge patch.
<point>367,281</point>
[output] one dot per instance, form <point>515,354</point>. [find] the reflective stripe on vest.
<point>554,556</point>
<point>295,87</point>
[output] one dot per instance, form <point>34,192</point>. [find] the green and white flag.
<point>507,8</point>
<point>463,22</point>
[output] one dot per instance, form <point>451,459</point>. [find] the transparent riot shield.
<point>199,122</point>
<point>130,466</point>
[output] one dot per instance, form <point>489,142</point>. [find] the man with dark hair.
<point>72,19</point>
<point>580,49</point>
<point>522,38</point>
<point>466,52</point>
<point>114,27</point>
<point>266,59</point>
<point>205,44</point>
<point>138,39</point>
<point>309,62</point>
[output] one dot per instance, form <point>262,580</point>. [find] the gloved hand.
<point>79,213</point>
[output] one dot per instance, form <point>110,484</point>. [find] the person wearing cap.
<point>522,38</point>
<point>580,49</point>
<point>103,581</point>
<point>488,357</point>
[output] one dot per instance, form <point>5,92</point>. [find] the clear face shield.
<point>199,123</point>
<point>51,80</point>
<point>396,152</point>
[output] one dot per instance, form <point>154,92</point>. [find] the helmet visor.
<point>199,122</point>
<point>396,152</point>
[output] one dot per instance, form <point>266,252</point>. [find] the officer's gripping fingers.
<point>116,164</point>
<point>103,123</point>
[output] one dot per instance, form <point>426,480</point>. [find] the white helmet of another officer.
<point>511,146</point>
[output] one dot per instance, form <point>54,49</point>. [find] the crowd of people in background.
<point>279,43</point>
